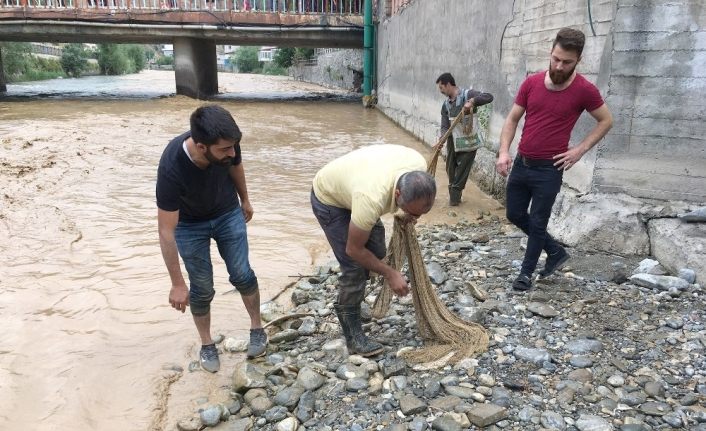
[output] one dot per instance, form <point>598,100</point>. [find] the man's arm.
<point>355,248</point>
<point>445,124</point>
<point>502,165</point>
<point>237,174</point>
<point>604,120</point>
<point>179,294</point>
<point>478,98</point>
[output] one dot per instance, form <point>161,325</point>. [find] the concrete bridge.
<point>194,27</point>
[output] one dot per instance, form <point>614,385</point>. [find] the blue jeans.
<point>335,222</point>
<point>538,185</point>
<point>194,244</point>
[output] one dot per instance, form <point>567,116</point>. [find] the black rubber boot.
<point>454,197</point>
<point>356,340</point>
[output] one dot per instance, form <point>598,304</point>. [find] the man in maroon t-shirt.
<point>553,101</point>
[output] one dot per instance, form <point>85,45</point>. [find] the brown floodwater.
<point>87,329</point>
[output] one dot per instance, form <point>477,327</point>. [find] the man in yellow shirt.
<point>349,195</point>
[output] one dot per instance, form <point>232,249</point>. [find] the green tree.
<point>303,53</point>
<point>245,59</point>
<point>16,59</point>
<point>113,60</point>
<point>136,54</point>
<point>284,57</point>
<point>165,60</point>
<point>73,59</point>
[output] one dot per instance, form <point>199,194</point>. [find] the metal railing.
<point>347,7</point>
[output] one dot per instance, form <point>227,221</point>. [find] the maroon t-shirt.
<point>551,115</point>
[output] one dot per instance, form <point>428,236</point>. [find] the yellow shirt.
<point>364,181</point>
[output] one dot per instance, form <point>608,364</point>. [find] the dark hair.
<point>209,123</point>
<point>416,185</point>
<point>446,78</point>
<point>570,40</point>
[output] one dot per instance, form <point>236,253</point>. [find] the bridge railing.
<point>347,7</point>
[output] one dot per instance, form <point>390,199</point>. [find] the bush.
<point>165,60</point>
<point>74,59</point>
<point>284,57</point>
<point>303,53</point>
<point>137,55</point>
<point>120,59</point>
<point>19,65</point>
<point>271,68</point>
<point>245,59</point>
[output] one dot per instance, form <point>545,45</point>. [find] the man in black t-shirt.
<point>199,180</point>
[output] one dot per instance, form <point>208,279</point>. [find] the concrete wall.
<point>647,57</point>
<point>339,69</point>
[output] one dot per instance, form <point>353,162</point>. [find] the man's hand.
<point>468,106</point>
<point>569,158</point>
<point>503,164</point>
<point>179,297</point>
<point>398,283</point>
<point>247,210</point>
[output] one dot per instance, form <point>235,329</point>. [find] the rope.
<point>443,332</point>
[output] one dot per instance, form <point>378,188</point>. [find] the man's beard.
<point>226,161</point>
<point>558,77</point>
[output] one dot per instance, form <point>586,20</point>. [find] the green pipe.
<point>369,48</point>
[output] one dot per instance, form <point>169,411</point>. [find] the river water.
<point>87,329</point>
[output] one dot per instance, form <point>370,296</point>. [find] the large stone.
<point>446,423</point>
<point>542,309</point>
<point>583,346</point>
<point>695,216</point>
<point>308,326</point>
<point>247,376</point>
<point>289,397</point>
<point>646,266</point>
<point>244,424</point>
<point>289,424</point>
<point>482,415</point>
<point>553,420</point>
<point>446,404</point>
<point>538,356</point>
<point>600,221</point>
<point>459,391</point>
<point>211,415</point>
<point>679,245</point>
<point>284,336</point>
<point>436,273</point>
<point>310,379</point>
<point>260,405</point>
<point>593,423</point>
<point>660,282</point>
<point>411,405</point>
<point>234,345</point>
<point>305,408</point>
<point>654,408</point>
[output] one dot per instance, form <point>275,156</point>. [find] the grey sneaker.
<point>209,358</point>
<point>258,343</point>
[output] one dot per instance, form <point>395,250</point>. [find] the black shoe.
<point>522,282</point>
<point>554,262</point>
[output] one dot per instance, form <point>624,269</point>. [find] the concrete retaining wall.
<point>338,69</point>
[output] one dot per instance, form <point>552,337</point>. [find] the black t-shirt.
<point>198,194</point>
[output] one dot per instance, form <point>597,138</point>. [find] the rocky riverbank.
<point>607,343</point>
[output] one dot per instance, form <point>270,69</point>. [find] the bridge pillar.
<point>3,87</point>
<point>195,67</point>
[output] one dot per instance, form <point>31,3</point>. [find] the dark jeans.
<point>335,222</point>
<point>540,185</point>
<point>194,244</point>
<point>458,167</point>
